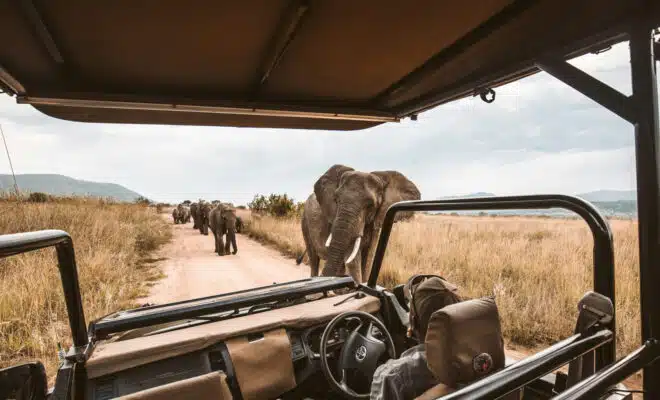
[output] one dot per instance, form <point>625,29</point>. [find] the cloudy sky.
<point>539,136</point>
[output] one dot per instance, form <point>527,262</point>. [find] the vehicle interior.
<point>329,65</point>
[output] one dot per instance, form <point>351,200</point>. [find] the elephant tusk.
<point>327,242</point>
<point>356,247</point>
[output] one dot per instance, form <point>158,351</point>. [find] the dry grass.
<point>111,242</point>
<point>537,267</point>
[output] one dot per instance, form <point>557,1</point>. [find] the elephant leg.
<point>215,242</point>
<point>233,244</point>
<point>227,243</point>
<point>221,245</point>
<point>314,263</point>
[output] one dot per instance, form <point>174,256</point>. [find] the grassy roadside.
<point>111,242</point>
<point>538,268</point>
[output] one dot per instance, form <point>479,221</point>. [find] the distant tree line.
<point>277,205</point>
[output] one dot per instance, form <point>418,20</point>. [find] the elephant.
<point>239,224</point>
<point>194,213</point>
<point>186,214</point>
<point>175,215</point>
<point>342,218</point>
<point>222,220</point>
<point>203,211</point>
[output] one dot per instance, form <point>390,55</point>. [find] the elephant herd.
<point>219,217</point>
<point>342,218</point>
<point>340,224</point>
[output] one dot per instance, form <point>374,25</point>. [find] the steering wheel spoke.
<point>361,352</point>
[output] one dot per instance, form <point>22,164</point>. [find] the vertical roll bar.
<point>603,251</point>
<point>645,100</point>
<point>17,243</point>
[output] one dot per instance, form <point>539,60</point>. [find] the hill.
<point>61,185</point>
<point>621,203</point>
<point>467,196</point>
<point>609,195</point>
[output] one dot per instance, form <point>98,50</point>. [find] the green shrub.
<point>277,205</point>
<point>38,197</point>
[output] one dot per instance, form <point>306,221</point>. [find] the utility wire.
<point>10,164</point>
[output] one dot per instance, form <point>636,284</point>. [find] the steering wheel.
<point>360,352</point>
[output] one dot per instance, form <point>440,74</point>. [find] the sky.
<point>539,136</point>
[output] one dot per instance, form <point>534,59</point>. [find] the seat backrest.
<point>464,342</point>
<point>209,386</point>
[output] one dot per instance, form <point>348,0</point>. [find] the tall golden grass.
<point>537,267</point>
<point>111,243</point>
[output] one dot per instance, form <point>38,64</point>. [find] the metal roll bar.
<point>528,370</point>
<point>17,243</point>
<point>602,235</point>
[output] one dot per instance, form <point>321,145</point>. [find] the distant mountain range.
<point>621,203</point>
<point>61,185</point>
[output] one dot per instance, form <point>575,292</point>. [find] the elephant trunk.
<point>345,237</point>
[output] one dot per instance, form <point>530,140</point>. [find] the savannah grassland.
<point>111,241</point>
<point>538,268</point>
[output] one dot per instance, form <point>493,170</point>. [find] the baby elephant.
<point>222,220</point>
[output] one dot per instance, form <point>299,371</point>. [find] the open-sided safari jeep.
<point>332,65</point>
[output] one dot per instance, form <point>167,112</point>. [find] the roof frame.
<point>232,108</point>
<point>33,15</point>
<point>591,87</point>
<point>285,33</point>
<point>10,84</point>
<point>504,16</point>
<point>474,83</point>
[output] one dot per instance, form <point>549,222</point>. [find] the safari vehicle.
<point>331,65</point>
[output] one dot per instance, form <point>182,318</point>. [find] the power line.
<point>11,166</point>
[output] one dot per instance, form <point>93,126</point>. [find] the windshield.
<point>163,214</point>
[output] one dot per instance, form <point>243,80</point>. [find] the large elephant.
<point>342,219</point>
<point>176,215</point>
<point>194,213</point>
<point>222,221</point>
<point>203,210</point>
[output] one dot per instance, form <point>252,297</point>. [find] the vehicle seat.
<point>209,386</point>
<point>464,343</point>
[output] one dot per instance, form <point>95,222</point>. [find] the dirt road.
<point>193,270</point>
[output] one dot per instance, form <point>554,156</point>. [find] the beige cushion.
<point>209,386</point>
<point>464,342</point>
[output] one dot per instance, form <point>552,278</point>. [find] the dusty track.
<point>193,270</point>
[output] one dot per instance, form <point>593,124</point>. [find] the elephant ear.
<point>325,187</point>
<point>397,188</point>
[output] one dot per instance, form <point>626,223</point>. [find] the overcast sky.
<point>539,136</point>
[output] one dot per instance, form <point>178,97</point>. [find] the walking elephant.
<point>194,213</point>
<point>203,211</point>
<point>341,220</point>
<point>222,221</point>
<point>186,215</point>
<point>176,215</point>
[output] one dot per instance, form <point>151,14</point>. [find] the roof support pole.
<point>591,87</point>
<point>647,149</point>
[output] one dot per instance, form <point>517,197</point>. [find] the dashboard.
<point>304,345</point>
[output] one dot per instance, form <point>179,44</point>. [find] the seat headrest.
<point>464,341</point>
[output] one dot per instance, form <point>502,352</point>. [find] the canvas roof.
<point>316,64</point>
